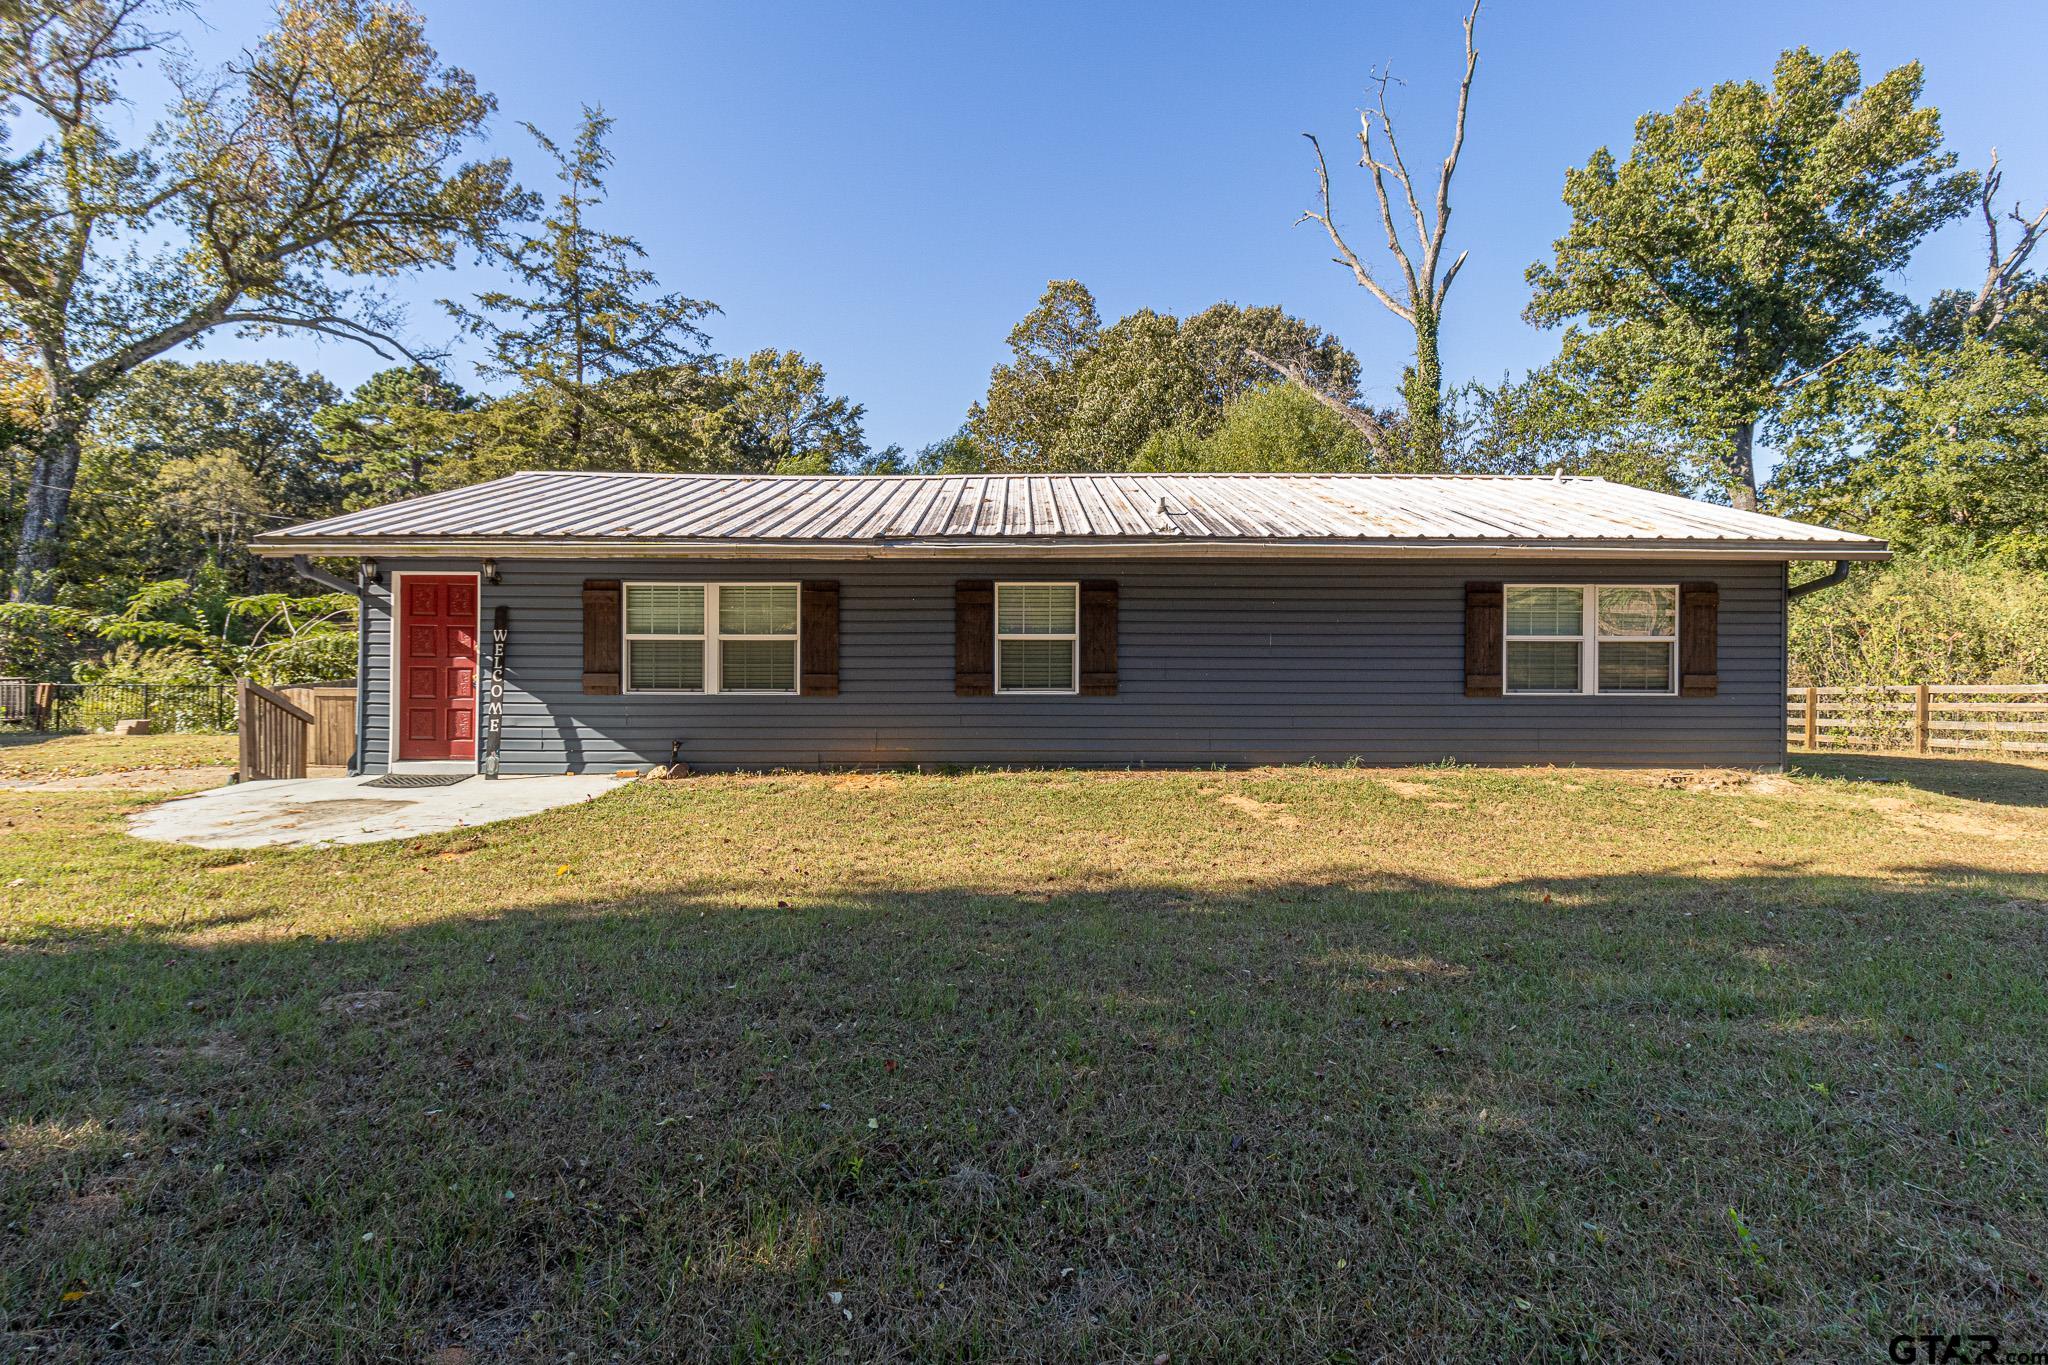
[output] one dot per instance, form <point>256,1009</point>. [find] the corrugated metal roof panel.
<point>795,513</point>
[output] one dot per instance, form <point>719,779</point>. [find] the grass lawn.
<point>29,757</point>
<point>1285,1065</point>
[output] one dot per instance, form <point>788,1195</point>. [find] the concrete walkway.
<point>342,810</point>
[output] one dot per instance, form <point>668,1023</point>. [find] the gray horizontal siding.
<point>375,744</point>
<point>1236,663</point>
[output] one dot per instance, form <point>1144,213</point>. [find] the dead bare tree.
<point>1421,302</point>
<point>2004,273</point>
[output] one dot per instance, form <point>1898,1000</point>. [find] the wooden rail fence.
<point>1923,717</point>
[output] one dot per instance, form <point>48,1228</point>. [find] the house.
<point>1113,620</point>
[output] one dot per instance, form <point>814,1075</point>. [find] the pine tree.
<point>585,314</point>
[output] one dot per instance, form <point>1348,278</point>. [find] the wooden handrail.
<point>273,732</point>
<point>279,700</point>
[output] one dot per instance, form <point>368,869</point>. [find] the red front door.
<point>437,666</point>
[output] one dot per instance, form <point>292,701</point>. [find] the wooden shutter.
<point>974,637</point>
<point>1098,638</point>
<point>602,639</point>
<point>820,598</point>
<point>1699,639</point>
<point>1484,624</point>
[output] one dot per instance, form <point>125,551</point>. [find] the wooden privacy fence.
<point>1922,717</point>
<point>273,730</point>
<point>333,707</point>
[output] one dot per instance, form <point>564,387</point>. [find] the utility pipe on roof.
<point>304,568</point>
<point>1827,580</point>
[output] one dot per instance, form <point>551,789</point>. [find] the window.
<point>1638,634</point>
<point>699,637</point>
<point>1610,640</point>
<point>757,637</point>
<point>664,637</point>
<point>1545,639</point>
<point>1038,638</point>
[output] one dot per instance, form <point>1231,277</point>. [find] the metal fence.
<point>1924,718</point>
<point>97,706</point>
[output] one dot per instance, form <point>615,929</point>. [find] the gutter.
<point>1838,574</point>
<point>304,568</point>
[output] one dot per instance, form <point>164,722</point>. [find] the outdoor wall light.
<point>367,571</point>
<point>491,571</point>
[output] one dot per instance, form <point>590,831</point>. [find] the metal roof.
<point>558,513</point>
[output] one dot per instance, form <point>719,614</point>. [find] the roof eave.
<point>1050,547</point>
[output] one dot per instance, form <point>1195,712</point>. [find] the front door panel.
<point>436,666</point>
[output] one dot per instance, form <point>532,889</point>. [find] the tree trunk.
<point>1742,468</point>
<point>1422,389</point>
<point>45,511</point>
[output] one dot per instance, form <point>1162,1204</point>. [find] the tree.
<point>955,454</point>
<point>771,411</point>
<point>775,415</point>
<point>1077,395</point>
<point>2006,278</point>
<point>1936,436</point>
<point>1422,290</point>
<point>1557,419</point>
<point>20,421</point>
<point>1029,407</point>
<point>1279,427</point>
<point>1935,450</point>
<point>181,462</point>
<point>395,433</point>
<point>194,631</point>
<point>327,154</point>
<point>585,317</point>
<point>263,415</point>
<point>1927,618</point>
<point>1743,246</point>
<point>213,496</point>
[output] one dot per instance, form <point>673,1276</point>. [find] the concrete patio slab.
<point>327,811</point>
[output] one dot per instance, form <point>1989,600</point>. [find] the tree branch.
<point>1378,173</point>
<point>1360,419</point>
<point>1793,380</point>
<point>347,329</point>
<point>1449,275</point>
<point>1443,184</point>
<point>1345,255</point>
<point>1425,291</point>
<point>1400,166</point>
<point>2002,272</point>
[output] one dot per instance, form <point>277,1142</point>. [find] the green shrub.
<point>1919,620</point>
<point>129,662</point>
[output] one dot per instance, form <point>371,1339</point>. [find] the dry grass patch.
<point>110,762</point>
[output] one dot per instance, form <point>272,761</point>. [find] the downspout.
<point>1838,574</point>
<point>365,575</point>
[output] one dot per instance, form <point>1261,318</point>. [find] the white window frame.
<point>1589,639</point>
<point>713,639</point>
<point>1073,639</point>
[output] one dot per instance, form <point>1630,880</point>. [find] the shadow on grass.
<point>2005,784</point>
<point>1294,1121</point>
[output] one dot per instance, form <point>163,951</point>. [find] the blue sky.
<point>887,187</point>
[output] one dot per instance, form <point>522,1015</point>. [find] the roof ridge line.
<point>765,476</point>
